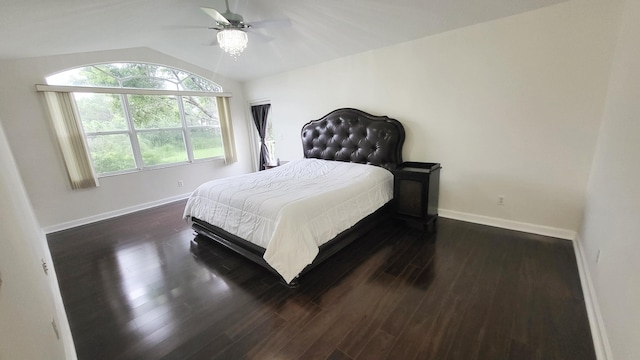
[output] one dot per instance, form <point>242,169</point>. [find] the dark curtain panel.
<point>259,113</point>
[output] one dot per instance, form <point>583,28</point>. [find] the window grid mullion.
<point>112,132</point>
<point>185,130</point>
<point>133,135</point>
<point>157,129</point>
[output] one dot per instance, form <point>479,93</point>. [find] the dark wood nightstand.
<point>271,166</point>
<point>415,192</point>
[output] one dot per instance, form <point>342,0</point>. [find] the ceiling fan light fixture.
<point>232,41</point>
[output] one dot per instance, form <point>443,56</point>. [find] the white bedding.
<point>292,209</point>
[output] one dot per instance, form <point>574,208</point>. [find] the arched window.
<point>136,116</point>
<point>133,76</point>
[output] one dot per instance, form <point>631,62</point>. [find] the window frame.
<point>131,130</point>
<point>255,137</point>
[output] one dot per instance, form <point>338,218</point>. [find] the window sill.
<point>159,167</point>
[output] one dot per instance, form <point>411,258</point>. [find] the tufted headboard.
<point>353,135</point>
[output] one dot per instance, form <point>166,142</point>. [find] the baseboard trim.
<point>596,323</point>
<point>509,224</point>
<point>111,214</point>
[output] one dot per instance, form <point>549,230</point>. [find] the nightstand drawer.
<point>408,203</point>
<point>416,188</point>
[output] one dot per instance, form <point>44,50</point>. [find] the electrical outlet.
<point>45,267</point>
<point>180,183</point>
<point>501,200</point>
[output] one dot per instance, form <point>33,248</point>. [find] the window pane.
<point>173,75</point>
<point>149,83</point>
<point>162,147</point>
<point>111,153</point>
<point>200,111</point>
<point>206,142</point>
<point>270,139</point>
<point>154,111</point>
<point>95,76</point>
<point>196,83</point>
<point>133,75</point>
<point>100,112</point>
<point>110,119</point>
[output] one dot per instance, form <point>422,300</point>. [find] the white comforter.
<point>292,209</point>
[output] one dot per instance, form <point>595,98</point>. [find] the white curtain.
<point>64,118</point>
<point>226,128</point>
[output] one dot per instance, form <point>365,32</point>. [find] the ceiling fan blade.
<point>259,37</point>
<point>215,15</point>
<point>279,23</point>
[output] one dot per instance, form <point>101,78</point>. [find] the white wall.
<point>26,124</point>
<point>611,224</point>
<point>509,107</point>
<point>29,299</point>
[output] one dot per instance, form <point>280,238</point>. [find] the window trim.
<point>222,100</point>
<point>118,90</point>
<point>132,132</point>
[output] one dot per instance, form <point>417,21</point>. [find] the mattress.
<point>292,209</point>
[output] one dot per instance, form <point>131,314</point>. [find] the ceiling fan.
<point>232,30</point>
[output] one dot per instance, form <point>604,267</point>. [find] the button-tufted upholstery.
<point>355,136</point>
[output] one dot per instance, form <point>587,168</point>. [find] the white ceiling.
<point>320,31</point>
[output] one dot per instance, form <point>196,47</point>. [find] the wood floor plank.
<point>338,355</point>
<point>438,305</point>
<point>140,286</point>
<point>362,333</point>
<point>378,346</point>
<point>365,302</point>
<point>297,316</point>
<point>432,287</point>
<point>500,316</point>
<point>239,348</point>
<point>471,330</point>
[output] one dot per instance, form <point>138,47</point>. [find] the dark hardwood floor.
<point>140,287</point>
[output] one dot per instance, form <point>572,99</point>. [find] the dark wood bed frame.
<point>342,135</point>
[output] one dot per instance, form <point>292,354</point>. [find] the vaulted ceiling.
<point>320,30</point>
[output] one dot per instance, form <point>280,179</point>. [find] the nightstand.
<point>271,166</point>
<point>415,192</point>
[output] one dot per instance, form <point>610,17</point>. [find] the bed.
<point>292,217</point>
